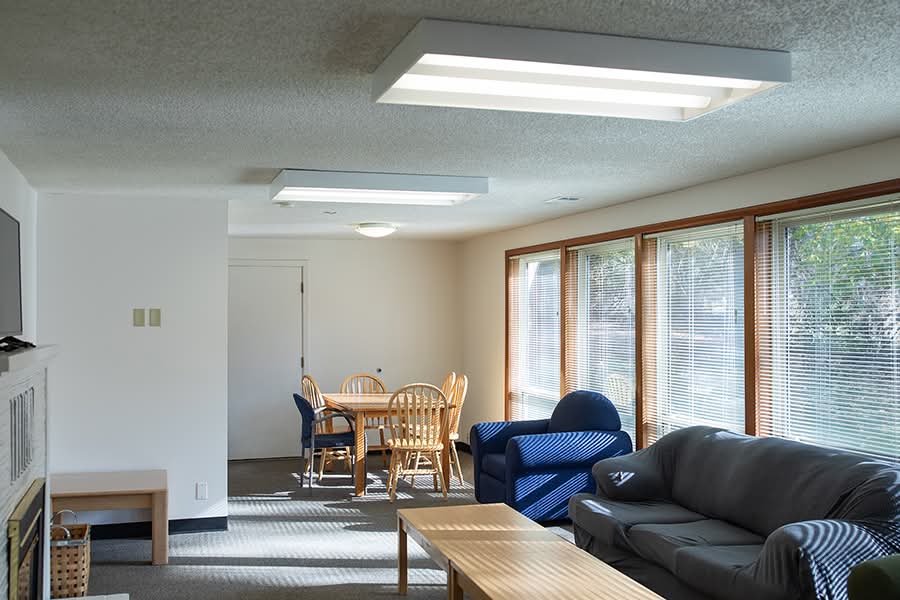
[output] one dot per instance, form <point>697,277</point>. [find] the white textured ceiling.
<point>201,98</point>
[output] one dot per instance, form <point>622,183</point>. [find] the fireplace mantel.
<point>26,359</point>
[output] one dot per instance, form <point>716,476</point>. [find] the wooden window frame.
<point>752,248</point>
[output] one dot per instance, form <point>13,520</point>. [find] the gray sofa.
<point>706,513</point>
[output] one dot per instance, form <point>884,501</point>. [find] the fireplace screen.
<point>26,532</point>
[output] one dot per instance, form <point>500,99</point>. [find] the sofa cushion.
<point>494,465</point>
<point>723,571</point>
<point>584,411</point>
<point>609,520</point>
<point>661,542</point>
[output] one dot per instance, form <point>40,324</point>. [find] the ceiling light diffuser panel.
<point>294,185</point>
<point>467,65</point>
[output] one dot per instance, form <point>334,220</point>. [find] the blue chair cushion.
<point>332,440</point>
<point>567,449</point>
<point>584,411</point>
<point>494,465</point>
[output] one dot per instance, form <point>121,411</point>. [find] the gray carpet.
<point>284,543</point>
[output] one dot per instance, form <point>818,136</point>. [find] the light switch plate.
<point>202,491</point>
<point>155,317</point>
<point>138,317</point>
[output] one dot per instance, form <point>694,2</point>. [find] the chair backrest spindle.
<point>447,385</point>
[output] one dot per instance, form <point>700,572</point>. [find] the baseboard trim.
<point>141,529</point>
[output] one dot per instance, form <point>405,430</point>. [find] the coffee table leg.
<point>402,559</point>
<point>360,450</point>
<point>454,591</point>
<point>160,528</point>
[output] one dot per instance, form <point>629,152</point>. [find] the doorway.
<point>265,358</point>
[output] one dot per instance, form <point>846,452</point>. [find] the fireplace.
<point>26,536</point>
<point>23,465</point>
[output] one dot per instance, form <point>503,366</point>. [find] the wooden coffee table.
<point>492,552</point>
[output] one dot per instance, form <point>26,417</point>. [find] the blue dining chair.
<point>312,441</point>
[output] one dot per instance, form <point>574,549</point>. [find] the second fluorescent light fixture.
<point>467,65</point>
<point>294,185</point>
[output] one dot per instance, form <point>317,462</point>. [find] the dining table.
<point>368,406</point>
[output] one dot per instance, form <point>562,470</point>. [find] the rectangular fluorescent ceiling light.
<point>294,185</point>
<point>467,65</point>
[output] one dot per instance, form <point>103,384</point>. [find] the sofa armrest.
<point>567,449</point>
<point>825,551</point>
<point>492,437</point>
<point>630,478</point>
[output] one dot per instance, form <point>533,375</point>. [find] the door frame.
<point>289,263</point>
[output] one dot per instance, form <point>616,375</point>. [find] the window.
<point>600,323</point>
<point>694,345</point>
<point>656,322</point>
<point>828,328</point>
<point>534,334</point>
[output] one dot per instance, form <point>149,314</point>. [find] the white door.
<point>264,353</point>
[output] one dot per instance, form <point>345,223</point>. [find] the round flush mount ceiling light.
<point>376,230</point>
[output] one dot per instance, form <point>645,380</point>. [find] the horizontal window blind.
<point>534,334</point>
<point>693,293</point>
<point>828,328</point>
<point>600,333</point>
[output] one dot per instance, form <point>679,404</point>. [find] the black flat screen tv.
<point>10,276</point>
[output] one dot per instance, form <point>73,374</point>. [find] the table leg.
<point>402,558</point>
<point>360,450</point>
<point>160,528</point>
<point>454,591</point>
<point>445,457</point>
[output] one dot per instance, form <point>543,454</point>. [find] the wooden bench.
<point>118,490</point>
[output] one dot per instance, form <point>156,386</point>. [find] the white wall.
<point>18,199</point>
<point>137,398</point>
<point>372,304</point>
<point>483,269</point>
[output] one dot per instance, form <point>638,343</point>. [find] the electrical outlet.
<point>138,317</point>
<point>202,490</point>
<point>155,317</point>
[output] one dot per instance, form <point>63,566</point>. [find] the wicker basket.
<point>70,560</point>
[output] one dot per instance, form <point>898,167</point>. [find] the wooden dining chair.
<point>457,399</point>
<point>449,388</point>
<point>313,395</point>
<point>618,390</point>
<point>363,383</point>
<point>417,415</point>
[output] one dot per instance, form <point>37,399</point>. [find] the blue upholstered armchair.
<point>536,466</point>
